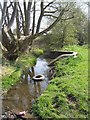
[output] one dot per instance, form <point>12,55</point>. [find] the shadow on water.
<point>23,95</point>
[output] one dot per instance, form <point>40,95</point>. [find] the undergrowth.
<point>24,62</point>
<point>10,80</point>
<point>67,94</point>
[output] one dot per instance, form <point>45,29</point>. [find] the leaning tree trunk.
<point>11,47</point>
<point>30,29</point>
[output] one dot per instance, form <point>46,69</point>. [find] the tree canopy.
<point>68,31</point>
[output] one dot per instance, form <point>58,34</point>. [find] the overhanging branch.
<point>12,17</point>
<point>29,38</point>
<point>67,18</point>
<point>50,11</point>
<point>51,15</point>
<point>49,4</point>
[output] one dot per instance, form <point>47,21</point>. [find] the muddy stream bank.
<point>21,96</point>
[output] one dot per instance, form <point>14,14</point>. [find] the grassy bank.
<point>9,80</point>
<point>67,94</point>
<point>11,74</point>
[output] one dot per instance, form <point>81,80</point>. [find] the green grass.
<point>67,94</point>
<point>21,64</point>
<point>10,80</point>
<point>26,60</point>
<point>11,74</point>
<point>37,52</point>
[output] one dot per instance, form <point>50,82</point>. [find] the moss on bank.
<point>67,94</point>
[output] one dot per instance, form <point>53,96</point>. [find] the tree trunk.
<point>33,25</point>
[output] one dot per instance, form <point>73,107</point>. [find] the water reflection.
<point>37,88</point>
<point>23,95</point>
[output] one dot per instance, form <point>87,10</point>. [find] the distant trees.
<point>69,31</point>
<point>27,19</point>
<point>81,24</point>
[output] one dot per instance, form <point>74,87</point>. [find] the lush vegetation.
<point>37,52</point>
<point>10,80</point>
<point>57,25</point>
<point>12,72</point>
<point>67,32</point>
<point>67,94</point>
<point>26,60</point>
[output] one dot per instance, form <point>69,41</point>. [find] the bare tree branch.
<point>4,11</point>
<point>11,35</point>
<point>50,15</point>
<point>63,19</point>
<point>40,18</point>
<point>10,5</point>
<point>50,11</point>
<point>33,25</point>
<point>28,17</point>
<point>17,24</point>
<point>12,17</point>
<point>23,22</point>
<point>23,25</point>
<point>44,31</point>
<point>49,4</point>
<point>25,15</point>
<point>0,6</point>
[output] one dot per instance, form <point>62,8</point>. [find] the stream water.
<point>23,95</point>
